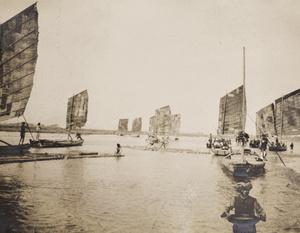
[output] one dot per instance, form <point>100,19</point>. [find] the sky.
<point>135,56</point>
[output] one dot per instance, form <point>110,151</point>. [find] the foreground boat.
<point>251,165</point>
<point>56,143</point>
<point>18,57</point>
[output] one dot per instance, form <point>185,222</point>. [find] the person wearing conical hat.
<point>247,209</point>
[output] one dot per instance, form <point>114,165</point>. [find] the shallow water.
<point>145,191</point>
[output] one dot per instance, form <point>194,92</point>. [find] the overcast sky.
<point>134,56</point>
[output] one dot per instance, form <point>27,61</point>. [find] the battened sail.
<point>164,122</point>
<point>123,125</point>
<point>137,125</point>
<point>287,114</point>
<point>231,119</point>
<point>18,56</point>
<point>265,121</point>
<point>77,110</point>
<point>175,124</point>
<point>281,118</point>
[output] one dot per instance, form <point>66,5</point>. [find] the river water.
<point>143,192</point>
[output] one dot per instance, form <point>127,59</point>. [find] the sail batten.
<point>18,57</point>
<point>19,67</point>
<point>16,80</point>
<point>17,54</point>
<point>77,110</point>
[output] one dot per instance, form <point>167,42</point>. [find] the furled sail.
<point>231,119</point>
<point>77,110</point>
<point>123,125</point>
<point>137,125</point>
<point>18,56</point>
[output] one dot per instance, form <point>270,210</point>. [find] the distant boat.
<point>77,111</point>
<point>164,123</point>
<point>137,126</point>
<point>18,57</point>
<point>122,127</point>
<point>243,163</point>
<point>281,118</point>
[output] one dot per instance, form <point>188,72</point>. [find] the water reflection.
<point>12,213</point>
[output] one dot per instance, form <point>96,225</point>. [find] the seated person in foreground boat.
<point>78,136</point>
<point>247,210</point>
<point>118,150</point>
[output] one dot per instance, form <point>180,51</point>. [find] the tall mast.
<point>244,94</point>
<point>244,104</point>
<point>281,119</point>
<point>223,128</point>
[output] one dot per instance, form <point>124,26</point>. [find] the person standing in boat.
<point>210,139</point>
<point>292,147</point>
<point>247,210</point>
<point>263,147</point>
<point>118,150</point>
<point>22,133</point>
<point>38,131</point>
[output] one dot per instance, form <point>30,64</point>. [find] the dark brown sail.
<point>18,56</point>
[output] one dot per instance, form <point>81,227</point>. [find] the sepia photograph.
<point>142,116</point>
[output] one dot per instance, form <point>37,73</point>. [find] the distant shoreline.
<point>57,130</point>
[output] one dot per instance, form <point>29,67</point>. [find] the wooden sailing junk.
<point>231,120</point>
<point>244,163</point>
<point>123,126</point>
<point>137,126</point>
<point>281,118</point>
<point>18,57</point>
<point>77,111</point>
<point>164,123</point>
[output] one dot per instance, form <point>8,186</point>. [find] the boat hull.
<point>277,148</point>
<point>220,151</point>
<point>253,165</point>
<point>44,143</point>
<point>14,149</point>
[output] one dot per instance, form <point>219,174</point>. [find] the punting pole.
<point>28,127</point>
<point>5,142</point>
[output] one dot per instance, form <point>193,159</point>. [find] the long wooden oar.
<point>268,140</point>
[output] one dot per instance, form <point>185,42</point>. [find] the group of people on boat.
<point>221,143</point>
